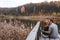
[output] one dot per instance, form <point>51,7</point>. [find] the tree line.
<point>33,9</point>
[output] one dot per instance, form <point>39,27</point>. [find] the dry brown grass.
<point>8,32</point>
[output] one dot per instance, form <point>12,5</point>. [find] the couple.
<point>50,29</point>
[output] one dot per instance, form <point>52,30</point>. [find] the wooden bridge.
<point>35,36</point>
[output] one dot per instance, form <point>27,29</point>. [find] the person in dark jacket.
<point>46,28</point>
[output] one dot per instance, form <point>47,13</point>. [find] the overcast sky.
<point>15,3</point>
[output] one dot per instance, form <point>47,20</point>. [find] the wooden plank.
<point>48,39</point>
<point>41,38</point>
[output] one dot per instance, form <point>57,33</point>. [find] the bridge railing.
<point>34,32</point>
